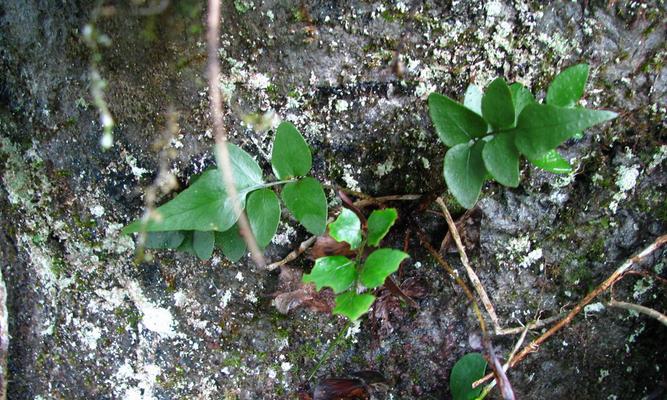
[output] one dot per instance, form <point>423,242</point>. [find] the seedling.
<point>466,371</point>
<point>489,131</point>
<point>351,279</point>
<point>202,216</point>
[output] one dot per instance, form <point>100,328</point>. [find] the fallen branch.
<point>474,279</point>
<point>369,201</point>
<point>613,278</point>
<point>662,318</point>
<point>305,245</point>
<point>213,40</point>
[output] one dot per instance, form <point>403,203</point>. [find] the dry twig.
<point>662,318</point>
<point>294,254</point>
<point>212,39</point>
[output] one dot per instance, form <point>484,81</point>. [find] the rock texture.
<point>87,323</point>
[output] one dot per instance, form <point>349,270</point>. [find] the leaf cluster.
<point>202,216</point>
<point>350,278</point>
<point>489,132</point>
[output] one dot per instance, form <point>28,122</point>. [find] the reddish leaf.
<point>292,293</point>
<point>327,246</point>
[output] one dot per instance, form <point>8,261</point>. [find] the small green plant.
<point>489,131</point>
<point>466,371</point>
<point>202,216</point>
<point>348,278</point>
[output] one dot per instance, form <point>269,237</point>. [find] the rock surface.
<point>86,322</point>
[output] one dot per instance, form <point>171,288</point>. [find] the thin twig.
<point>531,326</point>
<point>662,318</point>
<point>499,372</point>
<point>369,201</point>
<point>506,366</point>
<point>212,38</point>
<point>613,278</point>
<point>305,245</point>
<point>474,279</point>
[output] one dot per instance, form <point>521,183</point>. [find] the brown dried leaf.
<point>292,293</point>
<point>327,246</point>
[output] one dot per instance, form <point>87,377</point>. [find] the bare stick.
<point>640,309</point>
<point>474,279</point>
<point>212,39</point>
<point>379,200</point>
<point>613,278</point>
<point>531,326</point>
<point>294,254</point>
<point>506,366</point>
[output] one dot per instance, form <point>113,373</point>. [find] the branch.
<point>294,254</point>
<point>212,39</point>
<point>474,279</point>
<point>662,318</point>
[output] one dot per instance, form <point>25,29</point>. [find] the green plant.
<point>348,278</point>
<point>489,131</point>
<point>202,216</point>
<point>466,371</point>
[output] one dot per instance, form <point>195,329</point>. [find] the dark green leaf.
<point>501,159</point>
<point>263,210</point>
<point>473,99</point>
<point>186,245</point>
<point>164,240</point>
<point>552,161</point>
<point>202,243</point>
<point>567,87</point>
<point>379,223</point>
<point>231,243</point>
<point>336,272</point>
<point>306,201</point>
<point>497,105</point>
<point>543,127</point>
<point>245,169</point>
<point>465,172</point>
<point>379,265</point>
<point>353,305</point>
<point>453,122</point>
<point>346,228</point>
<point>467,370</point>
<point>521,97</point>
<point>291,155</point>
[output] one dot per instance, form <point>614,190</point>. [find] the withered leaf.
<point>292,293</point>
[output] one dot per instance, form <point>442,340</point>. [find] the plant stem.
<point>329,350</point>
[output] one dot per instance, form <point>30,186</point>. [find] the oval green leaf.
<point>379,265</point>
<point>473,99</point>
<point>164,240</point>
<point>568,87</point>
<point>263,209</point>
<point>291,155</point>
<point>202,244</point>
<point>231,243</point>
<point>453,122</point>
<point>203,206</point>
<point>346,228</point>
<point>521,97</point>
<point>379,224</point>
<point>544,127</point>
<point>466,371</point>
<point>336,272</point>
<point>552,161</point>
<point>497,105</point>
<point>501,159</point>
<point>465,172</point>
<point>353,305</point>
<point>306,201</point>
<point>245,169</point>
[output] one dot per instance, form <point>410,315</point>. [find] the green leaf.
<point>473,99</point>
<point>263,210</point>
<point>465,172</point>
<point>306,201</point>
<point>291,155</point>
<point>567,87</point>
<point>453,122</point>
<point>497,105</point>
<point>336,272</point>
<point>552,161</point>
<point>379,265</point>
<point>521,97</point>
<point>543,127</point>
<point>346,228</point>
<point>205,204</point>
<point>379,224</point>
<point>466,371</point>
<point>501,159</point>
<point>353,305</point>
<point>231,243</point>
<point>202,243</point>
<point>186,245</point>
<point>164,240</point>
